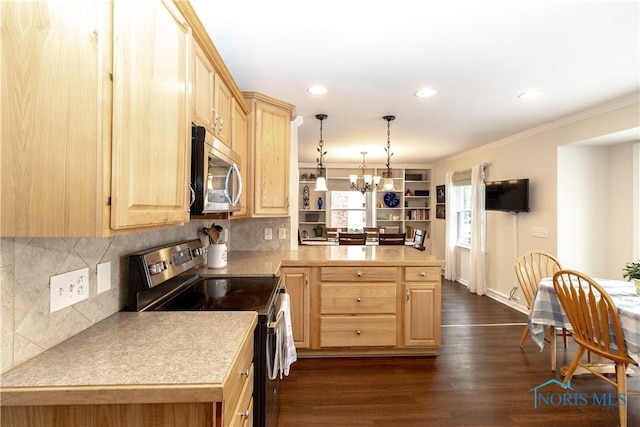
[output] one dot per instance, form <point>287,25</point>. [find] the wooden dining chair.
<point>332,233</point>
<point>372,233</point>
<point>352,238</point>
<point>391,239</point>
<point>596,328</point>
<point>530,268</point>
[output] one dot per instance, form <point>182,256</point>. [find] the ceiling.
<point>372,56</point>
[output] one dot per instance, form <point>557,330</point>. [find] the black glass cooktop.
<point>232,294</point>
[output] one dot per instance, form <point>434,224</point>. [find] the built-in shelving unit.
<point>402,210</point>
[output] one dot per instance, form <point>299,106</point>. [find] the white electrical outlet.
<point>282,233</point>
<point>68,288</point>
<point>104,276</point>
<point>540,232</point>
<point>268,234</point>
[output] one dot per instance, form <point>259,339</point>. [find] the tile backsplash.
<point>26,264</point>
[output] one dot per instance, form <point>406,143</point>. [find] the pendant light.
<point>321,181</point>
<point>388,175</point>
<point>364,182</point>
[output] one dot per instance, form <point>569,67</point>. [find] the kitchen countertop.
<point>243,263</point>
<point>140,357</point>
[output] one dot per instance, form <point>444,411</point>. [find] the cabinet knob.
<point>358,299</point>
<point>358,332</point>
<point>422,273</point>
<point>244,373</point>
<point>359,273</point>
<point>245,414</point>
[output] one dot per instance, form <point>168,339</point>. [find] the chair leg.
<point>554,346</point>
<point>573,365</point>
<point>525,334</point>
<point>565,337</point>
<point>621,379</point>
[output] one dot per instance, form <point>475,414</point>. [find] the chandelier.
<point>321,182</point>
<point>364,182</point>
<point>388,175</point>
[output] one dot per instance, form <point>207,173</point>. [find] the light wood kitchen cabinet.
<point>94,140</point>
<point>239,145</point>
<point>296,281</point>
<point>269,143</point>
<point>422,306</point>
<point>151,118</point>
<point>203,89</point>
<point>357,306</point>
<point>223,110</point>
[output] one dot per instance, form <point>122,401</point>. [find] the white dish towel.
<point>285,353</point>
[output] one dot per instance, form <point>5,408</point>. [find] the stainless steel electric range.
<point>166,279</point>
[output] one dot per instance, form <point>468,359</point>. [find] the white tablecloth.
<point>546,310</point>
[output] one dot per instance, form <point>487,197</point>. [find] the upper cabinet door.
<point>223,101</point>
<point>269,148</point>
<point>151,114</point>
<point>203,78</point>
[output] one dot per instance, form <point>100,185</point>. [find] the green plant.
<point>632,270</point>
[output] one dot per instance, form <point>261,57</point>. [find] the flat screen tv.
<point>510,195</point>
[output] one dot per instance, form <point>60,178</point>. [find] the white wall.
<point>532,154</point>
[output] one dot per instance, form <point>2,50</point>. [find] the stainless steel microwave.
<point>215,174</point>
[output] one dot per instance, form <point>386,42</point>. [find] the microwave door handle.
<point>239,191</point>
<point>226,184</point>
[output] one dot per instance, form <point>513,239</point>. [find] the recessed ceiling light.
<point>317,90</point>
<point>529,95</point>
<point>425,93</point>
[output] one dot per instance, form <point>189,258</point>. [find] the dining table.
<point>547,311</point>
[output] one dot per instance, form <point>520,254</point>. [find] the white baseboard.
<point>500,297</point>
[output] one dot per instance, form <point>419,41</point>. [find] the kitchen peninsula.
<point>354,300</point>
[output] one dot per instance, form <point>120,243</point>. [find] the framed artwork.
<point>440,194</point>
<point>440,211</point>
<point>418,239</point>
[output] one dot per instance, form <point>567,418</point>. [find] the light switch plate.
<point>104,276</point>
<point>282,233</point>
<point>68,289</point>
<point>539,232</point>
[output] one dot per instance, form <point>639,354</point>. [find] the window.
<point>348,210</point>
<point>463,214</point>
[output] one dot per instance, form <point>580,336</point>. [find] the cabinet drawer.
<point>357,298</point>
<point>238,377</point>
<point>243,412</point>
<point>422,274</point>
<point>358,331</point>
<point>358,274</point>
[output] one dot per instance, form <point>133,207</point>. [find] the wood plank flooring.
<point>481,378</point>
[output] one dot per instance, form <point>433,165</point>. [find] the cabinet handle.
<point>221,125</point>
<point>408,294</point>
<point>422,273</point>
<point>358,332</point>
<point>358,299</point>
<point>245,414</point>
<point>306,280</point>
<point>245,373</point>
<point>359,273</point>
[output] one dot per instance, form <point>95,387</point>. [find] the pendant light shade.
<point>321,181</point>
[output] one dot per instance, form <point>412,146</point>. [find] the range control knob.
<point>158,267</point>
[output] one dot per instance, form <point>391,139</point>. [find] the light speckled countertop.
<point>156,349</point>
<point>268,262</point>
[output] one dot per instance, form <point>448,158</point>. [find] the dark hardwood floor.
<point>480,378</point>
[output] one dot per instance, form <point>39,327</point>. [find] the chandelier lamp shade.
<point>364,182</point>
<point>388,175</point>
<point>321,181</point>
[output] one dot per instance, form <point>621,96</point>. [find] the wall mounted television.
<point>509,195</point>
